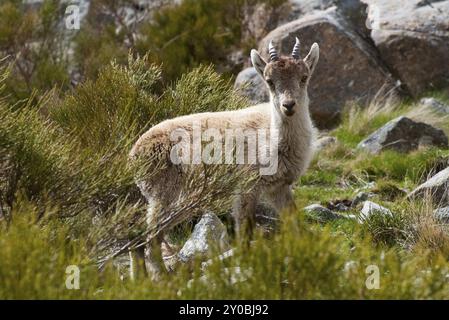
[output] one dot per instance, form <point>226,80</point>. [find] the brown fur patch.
<point>286,68</point>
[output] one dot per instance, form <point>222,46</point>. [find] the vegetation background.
<point>73,103</point>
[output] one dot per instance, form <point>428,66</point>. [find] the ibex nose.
<point>288,104</point>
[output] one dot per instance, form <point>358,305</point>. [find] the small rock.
<point>436,187</point>
<point>350,266</point>
<point>339,205</point>
<point>361,197</point>
<point>442,214</point>
<point>209,232</point>
<point>320,213</point>
<point>403,135</point>
<point>370,208</point>
<point>434,105</point>
<point>324,142</point>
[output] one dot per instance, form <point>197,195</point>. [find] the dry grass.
<point>425,230</point>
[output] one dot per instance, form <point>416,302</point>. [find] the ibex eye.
<point>304,79</point>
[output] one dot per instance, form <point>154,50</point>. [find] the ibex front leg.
<point>282,198</point>
<point>244,213</point>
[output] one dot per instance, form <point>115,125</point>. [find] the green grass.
<point>302,261</point>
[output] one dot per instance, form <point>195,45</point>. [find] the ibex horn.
<point>272,51</point>
<point>295,52</point>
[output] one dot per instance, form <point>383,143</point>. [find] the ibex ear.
<point>258,62</point>
<point>312,58</point>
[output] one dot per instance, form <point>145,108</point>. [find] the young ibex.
<point>287,119</point>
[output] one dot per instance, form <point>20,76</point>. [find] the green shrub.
<point>179,36</point>
<point>194,32</point>
<point>111,110</point>
<point>34,41</point>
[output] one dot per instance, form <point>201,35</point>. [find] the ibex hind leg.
<point>152,252</point>
<point>154,263</point>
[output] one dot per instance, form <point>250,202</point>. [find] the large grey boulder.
<point>348,68</point>
<point>404,135</point>
<point>261,18</point>
<point>208,233</point>
<point>249,84</point>
<point>308,6</point>
<point>413,39</point>
<point>354,11</point>
<point>436,188</point>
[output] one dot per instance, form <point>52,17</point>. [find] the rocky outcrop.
<point>365,44</point>
<point>260,19</point>
<point>404,135</point>
<point>346,60</point>
<point>413,39</point>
